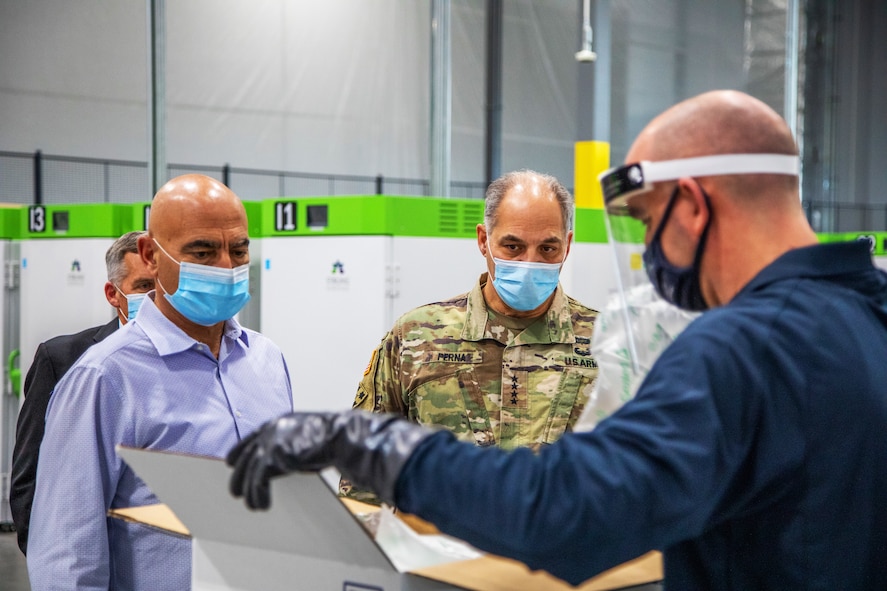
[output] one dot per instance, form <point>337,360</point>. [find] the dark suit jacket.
<point>52,360</point>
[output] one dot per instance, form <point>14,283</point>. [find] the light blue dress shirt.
<point>149,385</point>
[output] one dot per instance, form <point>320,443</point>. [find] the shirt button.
<point>239,414</point>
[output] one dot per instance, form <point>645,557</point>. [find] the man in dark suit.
<point>128,281</point>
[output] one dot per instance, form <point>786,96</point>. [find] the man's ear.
<point>482,239</point>
<point>569,244</point>
<point>147,252</point>
<point>700,210</point>
<point>113,296</point>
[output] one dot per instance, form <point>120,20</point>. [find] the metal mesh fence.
<point>127,183</point>
<point>66,181</point>
<point>37,178</point>
<point>174,170</point>
<point>16,178</point>
<point>846,217</point>
<point>48,179</point>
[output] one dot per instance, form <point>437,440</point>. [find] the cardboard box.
<point>310,540</point>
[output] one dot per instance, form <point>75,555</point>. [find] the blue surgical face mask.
<point>677,285</point>
<point>208,295</point>
<point>133,303</point>
<point>522,285</point>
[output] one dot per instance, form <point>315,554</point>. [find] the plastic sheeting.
<point>653,323</point>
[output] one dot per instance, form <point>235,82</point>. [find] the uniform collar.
<point>168,338</point>
<point>817,261</point>
<point>555,326</point>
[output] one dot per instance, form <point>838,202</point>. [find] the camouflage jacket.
<point>458,364</point>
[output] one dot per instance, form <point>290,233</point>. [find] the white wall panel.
<point>338,86</point>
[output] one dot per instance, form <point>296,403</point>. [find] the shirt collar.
<point>168,338</point>
<point>558,319</point>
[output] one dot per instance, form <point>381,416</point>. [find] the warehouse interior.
<point>323,110</point>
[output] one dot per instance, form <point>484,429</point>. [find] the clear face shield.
<point>637,323</point>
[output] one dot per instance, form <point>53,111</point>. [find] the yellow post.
<point>591,159</point>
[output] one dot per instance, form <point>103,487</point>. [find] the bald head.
<point>721,122</point>
<point>189,196</point>
<point>527,185</point>
<point>717,122</point>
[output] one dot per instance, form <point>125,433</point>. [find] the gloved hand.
<point>367,448</point>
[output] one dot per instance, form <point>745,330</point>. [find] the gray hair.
<point>124,245</point>
<point>498,188</point>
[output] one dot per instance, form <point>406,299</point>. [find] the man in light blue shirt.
<point>183,377</point>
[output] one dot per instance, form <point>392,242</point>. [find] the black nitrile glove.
<point>368,449</point>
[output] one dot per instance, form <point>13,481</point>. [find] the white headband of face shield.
<point>621,182</point>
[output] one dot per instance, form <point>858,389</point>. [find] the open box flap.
<point>494,573</point>
<point>306,517</point>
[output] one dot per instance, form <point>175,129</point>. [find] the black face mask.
<point>677,285</point>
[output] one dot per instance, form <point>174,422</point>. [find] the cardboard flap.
<point>305,518</point>
<point>494,573</point>
<point>158,516</point>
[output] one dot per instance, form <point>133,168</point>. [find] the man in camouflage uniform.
<point>496,366</point>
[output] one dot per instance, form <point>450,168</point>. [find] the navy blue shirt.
<point>754,454</point>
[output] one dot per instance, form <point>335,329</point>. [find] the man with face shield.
<point>128,282</point>
<point>184,377</point>
<point>754,454</point>
<point>507,363</point>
